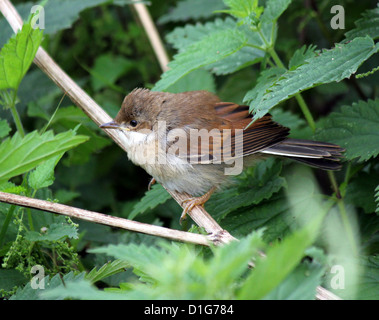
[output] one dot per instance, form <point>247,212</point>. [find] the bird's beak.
<point>110,125</point>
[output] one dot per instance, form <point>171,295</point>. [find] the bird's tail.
<point>313,153</point>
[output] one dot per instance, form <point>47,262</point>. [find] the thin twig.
<point>153,35</point>
<point>104,219</point>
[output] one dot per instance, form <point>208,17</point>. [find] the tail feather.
<point>317,154</point>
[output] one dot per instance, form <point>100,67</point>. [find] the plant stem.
<point>7,220</point>
<point>300,100</point>
<point>16,116</point>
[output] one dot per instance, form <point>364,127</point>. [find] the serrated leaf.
<point>11,278</point>
<point>368,25</point>
<point>19,155</point>
<point>243,8</point>
<point>301,55</point>
<point>107,270</point>
<point>17,55</point>
<point>281,258</point>
<point>152,198</point>
<point>209,49</point>
<point>360,191</point>
<point>4,128</point>
<point>29,293</point>
<point>355,128</point>
<point>300,284</point>
<point>329,66</point>
<point>191,9</point>
<point>54,232</point>
<point>182,37</point>
<point>196,80</point>
<point>265,183</point>
<point>274,9</point>
<point>43,175</point>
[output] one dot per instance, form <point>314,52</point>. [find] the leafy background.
<point>279,56</point>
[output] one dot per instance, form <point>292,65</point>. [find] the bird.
<point>192,142</point>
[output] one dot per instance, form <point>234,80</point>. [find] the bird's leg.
<point>195,201</point>
<point>152,181</point>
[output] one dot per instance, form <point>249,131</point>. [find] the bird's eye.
<point>133,123</point>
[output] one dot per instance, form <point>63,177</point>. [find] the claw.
<point>152,181</point>
<point>193,202</point>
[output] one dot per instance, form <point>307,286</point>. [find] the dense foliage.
<point>279,56</point>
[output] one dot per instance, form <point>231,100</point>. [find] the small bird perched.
<point>192,142</point>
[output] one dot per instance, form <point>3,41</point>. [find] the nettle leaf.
<point>29,293</point>
<point>274,9</point>
<point>43,175</point>
<point>209,49</point>
<point>243,8</point>
<point>54,232</point>
<point>264,183</point>
<point>107,270</point>
<point>355,128</point>
<point>191,9</point>
<point>152,198</point>
<point>19,155</point>
<point>182,37</point>
<point>281,258</point>
<point>368,25</point>
<point>329,66</point>
<point>360,191</point>
<point>17,55</point>
<point>301,55</point>
<point>4,128</point>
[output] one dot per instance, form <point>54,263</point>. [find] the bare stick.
<point>104,219</point>
<point>152,34</point>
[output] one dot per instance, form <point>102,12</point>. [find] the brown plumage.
<point>168,123</point>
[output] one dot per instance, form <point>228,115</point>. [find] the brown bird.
<point>192,142</point>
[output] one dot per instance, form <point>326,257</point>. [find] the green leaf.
<point>243,8</point>
<point>355,128</point>
<point>377,199</point>
<point>4,128</point>
<point>29,293</point>
<point>11,278</point>
<point>43,175</point>
<point>152,198</point>
<point>17,55</point>
<point>107,69</point>
<point>300,284</point>
<point>274,9</point>
<point>265,182</point>
<point>360,191</point>
<point>107,270</point>
<point>281,258</point>
<point>196,80</point>
<point>368,25</point>
<point>19,155</point>
<point>191,9</point>
<point>209,49</point>
<point>183,37</point>
<point>301,55</point>
<point>54,232</point>
<point>329,66</point>
<point>368,280</point>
